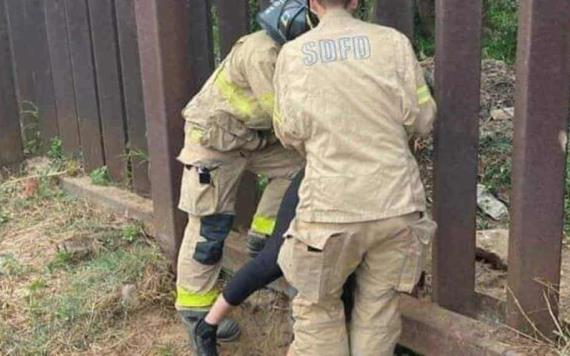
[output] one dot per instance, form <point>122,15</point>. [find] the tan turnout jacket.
<point>349,95</point>
<point>236,101</point>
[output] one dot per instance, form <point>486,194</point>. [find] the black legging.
<point>263,269</point>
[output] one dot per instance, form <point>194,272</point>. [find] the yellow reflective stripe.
<point>266,102</point>
<point>277,116</point>
<point>196,135</point>
<point>263,225</point>
<point>186,299</point>
<point>424,95</point>
<point>244,104</point>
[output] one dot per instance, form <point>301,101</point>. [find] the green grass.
<point>500,34</point>
<point>100,176</point>
<point>64,303</point>
<point>495,156</point>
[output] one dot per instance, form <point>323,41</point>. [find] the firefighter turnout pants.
<point>386,257</point>
<point>208,195</point>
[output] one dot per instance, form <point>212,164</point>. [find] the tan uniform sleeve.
<point>419,106</point>
<point>287,128</point>
<point>259,67</point>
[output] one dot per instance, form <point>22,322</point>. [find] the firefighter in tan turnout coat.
<point>349,96</point>
<point>229,131</point>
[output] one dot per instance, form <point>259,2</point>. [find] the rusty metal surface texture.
<point>201,44</point>
<point>234,22</point>
<point>540,137</point>
<point>11,150</point>
<point>398,14</point>
<point>164,44</point>
<point>32,63</point>
<point>62,75</point>
<point>85,84</point>
<point>458,77</point>
<point>133,94</point>
<point>107,72</point>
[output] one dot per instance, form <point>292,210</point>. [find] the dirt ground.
<point>77,280</point>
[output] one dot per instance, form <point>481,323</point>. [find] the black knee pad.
<point>215,229</point>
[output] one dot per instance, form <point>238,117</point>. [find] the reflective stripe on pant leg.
<point>264,219</point>
<point>263,225</point>
<point>196,281</point>
<point>189,300</point>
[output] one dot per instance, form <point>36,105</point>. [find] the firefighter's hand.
<point>262,140</point>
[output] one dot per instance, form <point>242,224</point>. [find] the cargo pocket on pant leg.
<point>199,195</point>
<point>304,260</point>
<point>421,234</point>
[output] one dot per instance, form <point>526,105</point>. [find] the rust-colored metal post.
<point>165,54</point>
<point>540,138</point>
<point>398,14</point>
<point>201,43</point>
<point>458,81</point>
<point>264,4</point>
<point>108,74</point>
<point>33,78</point>
<point>77,15</point>
<point>133,94</point>
<point>62,73</point>
<point>11,150</point>
<point>234,23</point>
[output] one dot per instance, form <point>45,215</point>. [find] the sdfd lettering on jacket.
<point>334,50</point>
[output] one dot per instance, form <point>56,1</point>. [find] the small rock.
<point>129,295</point>
<point>503,114</point>
<point>490,205</point>
<point>78,250</point>
<point>493,247</point>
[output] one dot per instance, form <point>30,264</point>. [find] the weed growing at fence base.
<point>100,176</point>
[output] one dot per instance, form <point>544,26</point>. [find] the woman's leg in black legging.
<point>263,269</point>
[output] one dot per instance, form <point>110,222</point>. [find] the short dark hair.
<point>334,2</point>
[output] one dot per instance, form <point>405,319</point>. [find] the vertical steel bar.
<point>62,75</point>
<point>201,43</point>
<point>11,149</point>
<point>107,72</point>
<point>264,4</point>
<point>398,14</point>
<point>84,83</point>
<point>165,54</point>
<point>234,23</point>
<point>32,62</point>
<point>133,94</point>
<point>458,80</point>
<point>540,137</point>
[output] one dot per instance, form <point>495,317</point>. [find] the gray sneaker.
<point>228,330</point>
